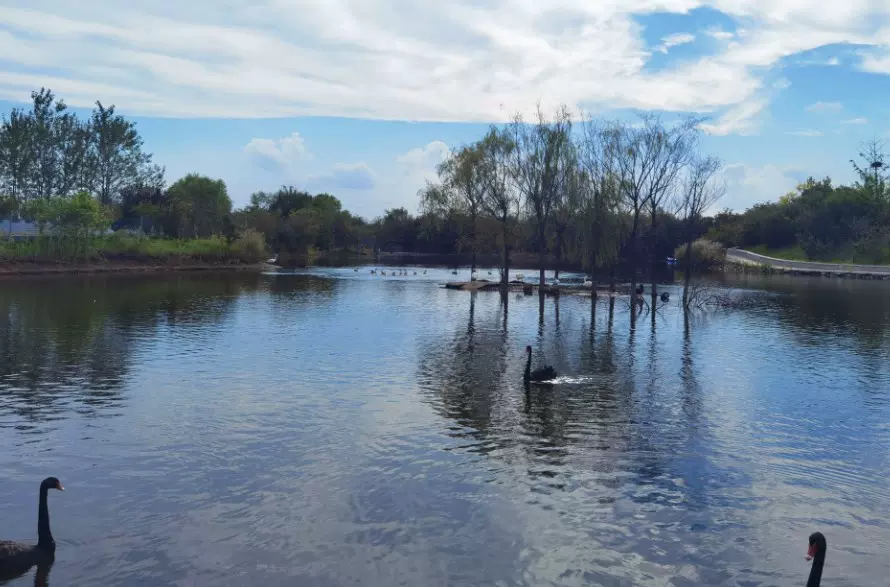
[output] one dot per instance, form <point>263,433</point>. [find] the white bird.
<point>556,282</point>
<point>587,283</point>
<point>273,260</point>
<point>474,275</point>
<point>520,276</point>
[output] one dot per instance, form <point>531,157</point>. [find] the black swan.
<point>816,553</point>
<point>541,374</point>
<point>16,555</point>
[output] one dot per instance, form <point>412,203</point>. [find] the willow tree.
<point>461,190</point>
<point>648,160</point>
<point>702,188</point>
<point>538,166</point>
<point>499,199</point>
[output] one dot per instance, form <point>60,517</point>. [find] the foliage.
<point>198,206</point>
<point>48,151</point>
<point>706,254</point>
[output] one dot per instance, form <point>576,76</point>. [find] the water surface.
<point>332,427</point>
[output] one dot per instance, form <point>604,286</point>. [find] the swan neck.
<point>44,536</point>
<point>816,571</point>
<point>528,366</point>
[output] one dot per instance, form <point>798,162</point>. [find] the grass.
<point>796,253</point>
<point>247,248</point>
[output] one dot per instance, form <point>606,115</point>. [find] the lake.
<point>333,427</point>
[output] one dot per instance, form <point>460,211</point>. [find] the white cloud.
<point>278,154</point>
<point>858,120</point>
<point>746,185</point>
<point>674,40</point>
<point>449,61</point>
<point>351,176</point>
<point>806,132</point>
<point>742,119</point>
<point>825,107</point>
<point>719,34</point>
<point>426,157</point>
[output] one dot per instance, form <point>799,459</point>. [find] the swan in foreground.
<point>540,374</point>
<point>18,556</point>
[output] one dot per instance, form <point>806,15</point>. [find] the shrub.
<point>705,253</point>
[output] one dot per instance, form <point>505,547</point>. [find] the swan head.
<point>528,349</point>
<point>818,545</point>
<point>51,483</point>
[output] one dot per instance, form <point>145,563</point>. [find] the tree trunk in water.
<point>633,267</point>
<point>558,253</point>
<point>687,269</point>
<point>612,277</point>
<point>505,278</point>
<point>473,236</point>
<point>653,266</point>
<point>541,260</point>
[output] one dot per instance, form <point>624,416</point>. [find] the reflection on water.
<point>333,427</point>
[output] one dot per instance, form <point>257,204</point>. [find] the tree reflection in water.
<point>66,344</point>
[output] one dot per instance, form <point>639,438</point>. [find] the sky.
<point>362,98</point>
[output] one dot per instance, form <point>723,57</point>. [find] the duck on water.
<point>18,557</point>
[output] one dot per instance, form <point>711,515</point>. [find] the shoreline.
<point>744,259</point>
<point>28,268</point>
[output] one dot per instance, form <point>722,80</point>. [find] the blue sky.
<point>361,98</point>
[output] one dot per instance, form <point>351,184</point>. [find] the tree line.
<point>818,220</point>
<point>602,193</point>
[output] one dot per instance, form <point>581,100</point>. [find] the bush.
<point>250,246</point>
<point>705,254</point>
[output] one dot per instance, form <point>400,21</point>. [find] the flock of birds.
<point>18,557</point>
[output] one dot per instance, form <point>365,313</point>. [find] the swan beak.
<point>811,552</point>
<point>59,487</point>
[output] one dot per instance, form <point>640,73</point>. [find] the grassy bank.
<point>129,251</point>
<point>796,253</point>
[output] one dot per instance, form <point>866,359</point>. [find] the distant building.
<point>20,229</point>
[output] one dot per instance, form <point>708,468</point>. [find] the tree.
<point>538,168</point>
<point>116,158</point>
<point>648,158</point>
<point>463,188</point>
<point>44,143</point>
<point>872,177</point>
<point>499,200</point>
<point>198,205</point>
<point>701,189</point>
<point>16,153</point>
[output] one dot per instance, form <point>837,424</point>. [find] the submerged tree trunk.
<point>687,265</point>
<point>633,266</point>
<point>542,250</point>
<point>473,244</point>
<point>653,265</point>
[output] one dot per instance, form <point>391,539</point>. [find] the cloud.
<point>807,132</point>
<point>445,61</point>
<point>674,40</point>
<point>278,154</point>
<point>426,157</point>
<point>747,185</point>
<point>350,176</point>
<point>858,120</point>
<point>825,107</point>
<point>743,119</point>
<point>719,34</point>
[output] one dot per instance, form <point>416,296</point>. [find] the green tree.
<point>16,153</point>
<point>198,205</point>
<point>116,158</point>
